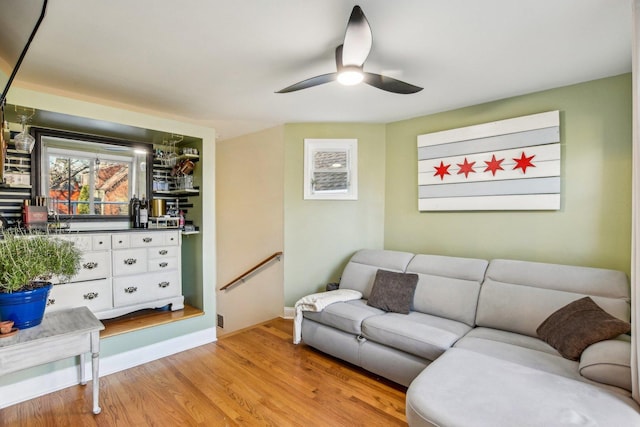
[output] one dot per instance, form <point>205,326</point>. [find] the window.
<point>78,184</point>
<point>84,178</point>
<point>331,169</point>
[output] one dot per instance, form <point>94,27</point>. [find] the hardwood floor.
<point>255,377</point>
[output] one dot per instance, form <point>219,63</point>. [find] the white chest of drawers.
<point>123,272</point>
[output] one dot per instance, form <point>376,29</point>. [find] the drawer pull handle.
<point>163,284</point>
<point>120,241</point>
<point>91,295</point>
<point>130,261</point>
<point>90,265</point>
<point>147,239</point>
<point>51,301</point>
<point>100,242</point>
<point>131,289</point>
<point>163,264</point>
<point>163,252</point>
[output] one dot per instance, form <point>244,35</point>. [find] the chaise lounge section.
<point>469,348</point>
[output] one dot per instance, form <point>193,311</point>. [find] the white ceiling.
<point>219,62</point>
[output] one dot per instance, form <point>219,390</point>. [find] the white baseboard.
<point>289,312</point>
<point>63,378</point>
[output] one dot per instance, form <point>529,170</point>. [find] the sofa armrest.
<point>608,362</point>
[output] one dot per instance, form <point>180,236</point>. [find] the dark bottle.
<point>135,212</point>
<point>131,210</point>
<point>144,213</point>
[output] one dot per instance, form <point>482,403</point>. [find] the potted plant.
<point>28,261</point>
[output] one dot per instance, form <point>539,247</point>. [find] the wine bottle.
<point>131,203</point>
<point>144,213</point>
<point>136,213</point>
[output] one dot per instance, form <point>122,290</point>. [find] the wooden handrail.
<point>251,270</point>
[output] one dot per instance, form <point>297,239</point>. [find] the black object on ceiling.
<point>350,58</point>
<point>23,53</point>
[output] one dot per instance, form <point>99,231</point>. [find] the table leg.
<point>82,377</point>
<point>95,370</point>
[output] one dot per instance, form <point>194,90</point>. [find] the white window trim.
<point>314,145</point>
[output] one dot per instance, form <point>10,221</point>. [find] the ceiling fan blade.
<point>390,84</point>
<point>313,81</point>
<point>357,39</point>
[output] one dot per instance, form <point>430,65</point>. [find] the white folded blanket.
<point>318,302</point>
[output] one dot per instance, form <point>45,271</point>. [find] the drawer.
<point>145,240</point>
<point>93,265</point>
<point>163,252</point>
<point>171,238</point>
<point>162,264</point>
<point>145,287</point>
<point>120,241</point>
<point>100,242</point>
<point>95,294</point>
<point>129,261</point>
<point>81,242</point>
<point>88,242</point>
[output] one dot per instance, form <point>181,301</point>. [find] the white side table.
<point>61,334</point>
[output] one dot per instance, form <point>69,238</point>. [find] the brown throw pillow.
<point>393,291</point>
<point>579,324</point>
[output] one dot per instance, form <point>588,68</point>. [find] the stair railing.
<point>242,278</point>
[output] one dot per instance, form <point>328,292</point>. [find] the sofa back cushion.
<point>448,286</point>
<point>517,296</point>
<point>361,269</point>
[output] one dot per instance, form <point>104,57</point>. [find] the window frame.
<point>38,171</point>
<point>347,145</point>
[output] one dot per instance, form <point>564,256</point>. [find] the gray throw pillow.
<point>579,324</point>
<point>393,291</point>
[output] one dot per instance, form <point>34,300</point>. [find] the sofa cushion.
<point>465,388</point>
<point>345,316</point>
<point>393,291</point>
<point>517,296</point>
<point>579,324</point>
<point>608,362</point>
<point>497,335</point>
<point>448,286</point>
<point>551,362</point>
<point>361,269</point>
<point>568,278</point>
<point>416,333</point>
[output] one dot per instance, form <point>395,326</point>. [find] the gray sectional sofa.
<point>468,350</point>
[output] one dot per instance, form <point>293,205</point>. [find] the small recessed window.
<point>331,169</point>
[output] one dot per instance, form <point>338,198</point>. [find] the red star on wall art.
<point>524,162</point>
<point>493,165</point>
<point>442,170</point>
<point>466,168</point>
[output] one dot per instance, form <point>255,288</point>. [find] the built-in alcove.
<point>12,196</point>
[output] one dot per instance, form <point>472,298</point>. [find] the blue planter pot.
<point>26,308</point>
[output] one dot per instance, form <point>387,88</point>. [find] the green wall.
<point>593,226</point>
<point>321,235</point>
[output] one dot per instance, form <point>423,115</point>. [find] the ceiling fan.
<point>350,57</point>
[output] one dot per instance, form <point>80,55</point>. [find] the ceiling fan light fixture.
<point>350,57</point>
<point>350,76</point>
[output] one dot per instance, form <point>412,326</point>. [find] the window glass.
<point>331,169</point>
<point>91,179</point>
<point>84,186</point>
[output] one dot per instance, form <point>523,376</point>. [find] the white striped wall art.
<point>510,164</point>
